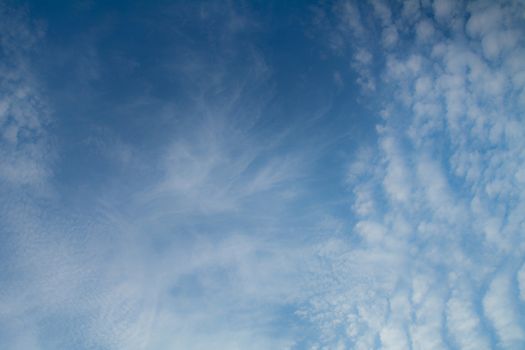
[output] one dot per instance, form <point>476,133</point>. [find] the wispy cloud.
<point>25,151</point>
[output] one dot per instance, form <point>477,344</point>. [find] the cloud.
<point>499,308</point>
<point>214,176</point>
<point>425,30</point>
<point>443,9</point>
<point>432,211</point>
<point>220,161</point>
<point>186,256</point>
<point>25,151</point>
<point>349,33</point>
<point>216,243</point>
<point>464,323</point>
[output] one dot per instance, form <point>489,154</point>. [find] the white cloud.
<point>372,232</point>
<point>426,331</point>
<point>394,337</point>
<point>425,30</point>
<point>411,10</point>
<point>443,9</point>
<point>441,196</point>
<point>350,33</point>
<point>396,181</point>
<point>484,19</point>
<point>351,16</point>
<point>499,308</point>
<point>219,169</point>
<point>464,324</point>
<point>382,11</point>
<point>390,36</point>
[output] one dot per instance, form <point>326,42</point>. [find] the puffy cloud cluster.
<point>437,252</point>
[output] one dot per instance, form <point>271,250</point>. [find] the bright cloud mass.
<point>262,175</point>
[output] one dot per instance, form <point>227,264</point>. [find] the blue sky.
<point>262,175</point>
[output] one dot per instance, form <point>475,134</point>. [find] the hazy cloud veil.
<point>242,175</point>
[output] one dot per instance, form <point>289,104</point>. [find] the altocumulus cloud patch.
<point>328,175</point>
